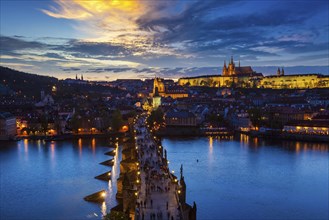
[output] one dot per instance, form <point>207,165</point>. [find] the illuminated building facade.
<point>232,70</point>
<point>307,127</point>
<point>246,77</point>
<point>170,91</point>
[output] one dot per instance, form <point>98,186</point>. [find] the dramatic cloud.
<point>154,37</point>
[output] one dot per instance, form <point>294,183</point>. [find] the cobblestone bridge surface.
<point>157,195</point>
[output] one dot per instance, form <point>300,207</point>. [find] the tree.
<point>117,120</point>
<point>74,122</point>
<point>44,123</point>
<point>255,116</point>
<point>156,116</point>
<point>215,118</point>
<point>106,120</point>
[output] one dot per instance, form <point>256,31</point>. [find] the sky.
<point>110,39</point>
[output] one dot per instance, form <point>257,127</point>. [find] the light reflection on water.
<point>50,179</point>
<point>250,178</point>
<point>112,190</point>
<point>241,178</point>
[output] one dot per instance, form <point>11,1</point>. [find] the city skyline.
<point>105,40</point>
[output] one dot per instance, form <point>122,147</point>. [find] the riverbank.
<point>192,131</point>
<point>274,135</point>
<point>288,136</point>
<point>68,136</point>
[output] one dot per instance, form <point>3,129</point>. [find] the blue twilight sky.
<point>109,39</point>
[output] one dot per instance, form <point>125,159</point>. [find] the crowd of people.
<point>156,198</point>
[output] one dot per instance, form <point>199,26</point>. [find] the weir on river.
<point>146,187</point>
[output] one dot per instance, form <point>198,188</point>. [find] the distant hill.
<point>30,85</point>
<point>13,81</point>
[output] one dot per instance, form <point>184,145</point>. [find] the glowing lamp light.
<point>136,193</point>
<point>103,194</point>
<point>172,171</point>
<point>178,191</point>
<point>109,174</point>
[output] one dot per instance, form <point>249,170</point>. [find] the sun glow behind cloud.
<point>114,22</point>
<point>122,37</point>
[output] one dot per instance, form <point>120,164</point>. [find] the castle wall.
<point>273,82</point>
<point>208,81</point>
<point>290,82</point>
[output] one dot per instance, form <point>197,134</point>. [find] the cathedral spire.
<point>231,59</point>
<point>278,72</point>
<point>225,70</point>
<point>282,72</point>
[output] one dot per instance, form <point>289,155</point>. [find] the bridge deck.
<point>157,198</point>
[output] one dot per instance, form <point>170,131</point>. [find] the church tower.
<point>231,67</point>
<point>278,73</point>
<point>282,72</point>
<point>225,70</point>
<point>159,85</point>
<point>156,100</point>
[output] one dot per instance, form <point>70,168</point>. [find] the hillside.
<point>13,81</point>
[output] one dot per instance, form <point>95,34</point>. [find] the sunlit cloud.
<point>113,37</point>
<point>16,65</point>
<point>79,62</point>
<point>115,22</point>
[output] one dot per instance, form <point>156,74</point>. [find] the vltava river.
<point>48,180</point>
<point>228,179</point>
<point>252,179</point>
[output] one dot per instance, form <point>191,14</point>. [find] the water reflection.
<point>60,188</point>
<point>287,186</point>
<point>39,145</point>
<point>104,208</point>
<point>26,146</point>
<point>93,145</point>
<point>210,154</point>
<point>80,146</point>
<point>297,146</point>
<point>112,183</point>
<point>244,139</point>
<point>211,144</point>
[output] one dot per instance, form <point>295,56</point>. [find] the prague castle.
<point>232,70</point>
<point>246,77</point>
